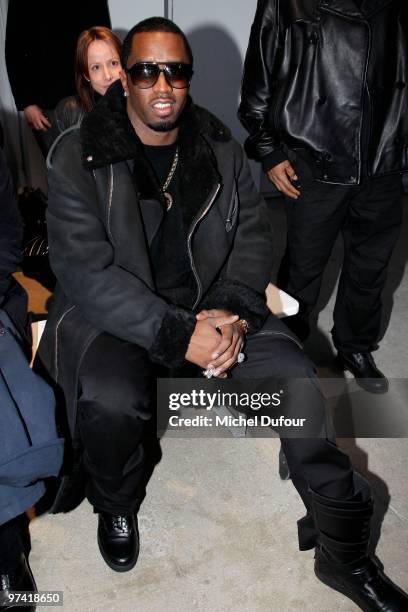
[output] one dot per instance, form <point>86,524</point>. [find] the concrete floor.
<point>218,527</point>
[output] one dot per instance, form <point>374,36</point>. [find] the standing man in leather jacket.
<point>325,102</point>
<point>157,236</point>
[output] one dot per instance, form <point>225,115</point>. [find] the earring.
<point>125,93</point>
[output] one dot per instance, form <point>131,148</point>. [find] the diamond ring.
<point>208,373</point>
<point>241,357</point>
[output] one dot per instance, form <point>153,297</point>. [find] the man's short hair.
<point>153,24</point>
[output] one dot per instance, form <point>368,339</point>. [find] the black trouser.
<point>369,217</point>
<point>115,404</point>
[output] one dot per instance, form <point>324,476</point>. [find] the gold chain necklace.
<point>165,186</point>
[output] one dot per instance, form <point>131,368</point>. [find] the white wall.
<point>218,31</point>
<point>126,13</point>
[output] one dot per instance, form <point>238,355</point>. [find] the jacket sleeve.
<point>109,296</point>
<point>246,274</point>
<point>68,113</point>
<point>257,86</point>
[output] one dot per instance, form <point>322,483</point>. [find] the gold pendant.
<point>169,200</point>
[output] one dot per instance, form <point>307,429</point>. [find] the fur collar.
<point>107,137</point>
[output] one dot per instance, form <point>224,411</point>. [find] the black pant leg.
<point>370,233</point>
<point>314,221</point>
<point>314,463</point>
<point>114,409</point>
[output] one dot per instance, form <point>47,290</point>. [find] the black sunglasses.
<point>146,74</point>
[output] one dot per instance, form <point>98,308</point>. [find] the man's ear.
<point>123,80</point>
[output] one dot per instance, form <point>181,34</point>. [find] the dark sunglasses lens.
<point>144,75</point>
<point>179,75</point>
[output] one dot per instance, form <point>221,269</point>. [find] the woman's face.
<point>103,65</point>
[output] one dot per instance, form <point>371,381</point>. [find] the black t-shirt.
<point>168,251</point>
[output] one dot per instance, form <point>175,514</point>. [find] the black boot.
<point>118,540</point>
<point>19,578</point>
<point>342,561</point>
<point>362,366</point>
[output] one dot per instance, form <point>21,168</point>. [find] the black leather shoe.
<point>18,579</point>
<point>362,366</point>
<point>364,583</point>
<point>118,540</point>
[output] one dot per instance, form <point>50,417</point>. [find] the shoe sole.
<point>342,366</point>
<point>115,566</point>
<point>336,587</point>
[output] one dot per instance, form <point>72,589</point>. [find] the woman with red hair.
<point>97,66</point>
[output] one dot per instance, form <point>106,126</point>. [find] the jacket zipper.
<point>110,203</point>
<point>190,252</point>
<point>56,340</point>
<point>233,207</point>
<point>363,96</point>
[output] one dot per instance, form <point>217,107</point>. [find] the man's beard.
<point>163,126</point>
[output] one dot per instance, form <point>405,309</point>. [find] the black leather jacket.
<point>307,66</point>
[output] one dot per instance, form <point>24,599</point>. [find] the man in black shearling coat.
<point>157,238</point>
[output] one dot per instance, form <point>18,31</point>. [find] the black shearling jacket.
<point>100,226</point>
<point>306,70</point>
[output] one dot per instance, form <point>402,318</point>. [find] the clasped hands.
<point>216,350</point>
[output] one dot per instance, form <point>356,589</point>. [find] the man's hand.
<point>231,342</point>
<point>217,316</point>
<point>203,343</point>
<point>226,354</point>
<point>282,176</point>
<point>36,119</point>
